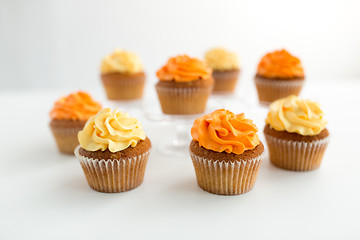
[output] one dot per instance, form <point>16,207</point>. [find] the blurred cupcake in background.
<point>296,134</point>
<point>123,76</point>
<point>226,152</point>
<point>279,74</point>
<point>68,117</point>
<point>184,86</point>
<point>225,66</point>
<point>113,151</point>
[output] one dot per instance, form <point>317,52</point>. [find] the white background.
<point>49,43</point>
<point>44,194</point>
<point>49,48</point>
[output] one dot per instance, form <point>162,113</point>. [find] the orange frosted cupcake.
<point>184,85</point>
<point>68,117</point>
<point>113,151</point>
<point>123,76</point>
<point>225,66</point>
<point>226,152</point>
<point>296,134</point>
<point>279,74</point>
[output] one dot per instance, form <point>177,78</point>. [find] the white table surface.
<point>44,194</point>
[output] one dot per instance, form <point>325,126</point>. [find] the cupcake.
<point>68,117</point>
<point>184,85</point>
<point>226,152</point>
<point>123,76</point>
<point>113,151</point>
<point>296,134</point>
<point>279,74</point>
<point>225,66</point>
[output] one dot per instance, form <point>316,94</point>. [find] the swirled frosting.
<point>75,106</point>
<point>184,69</point>
<point>221,59</point>
<point>280,64</point>
<point>122,62</point>
<point>295,115</point>
<point>222,130</point>
<point>113,130</point>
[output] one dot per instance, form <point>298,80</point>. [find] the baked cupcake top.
<point>222,131</point>
<point>295,115</point>
<point>121,61</point>
<point>112,130</point>
<point>221,59</point>
<point>76,106</point>
<point>183,68</point>
<point>280,65</point>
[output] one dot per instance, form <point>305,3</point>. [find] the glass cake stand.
<point>231,101</point>
<point>129,106</point>
<point>178,142</point>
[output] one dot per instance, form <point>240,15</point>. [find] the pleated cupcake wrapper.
<point>66,138</point>
<point>124,89</point>
<point>113,175</point>
<point>225,84</point>
<point>226,178</point>
<point>271,90</point>
<point>295,155</point>
<point>124,81</point>
<point>183,100</point>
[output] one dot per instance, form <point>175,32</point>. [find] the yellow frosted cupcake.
<point>296,134</point>
<point>113,151</point>
<point>225,66</point>
<point>123,76</point>
<point>68,117</point>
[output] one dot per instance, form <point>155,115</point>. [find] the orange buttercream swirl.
<point>222,130</point>
<point>280,64</point>
<point>184,69</point>
<point>76,106</point>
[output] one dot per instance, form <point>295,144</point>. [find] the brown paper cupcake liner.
<point>113,175</point>
<point>183,100</point>
<point>66,138</point>
<point>124,88</point>
<point>225,81</point>
<point>270,90</point>
<point>226,178</point>
<point>295,155</point>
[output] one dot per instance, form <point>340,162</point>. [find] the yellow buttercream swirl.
<point>113,130</point>
<point>221,59</point>
<point>295,115</point>
<point>122,62</point>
